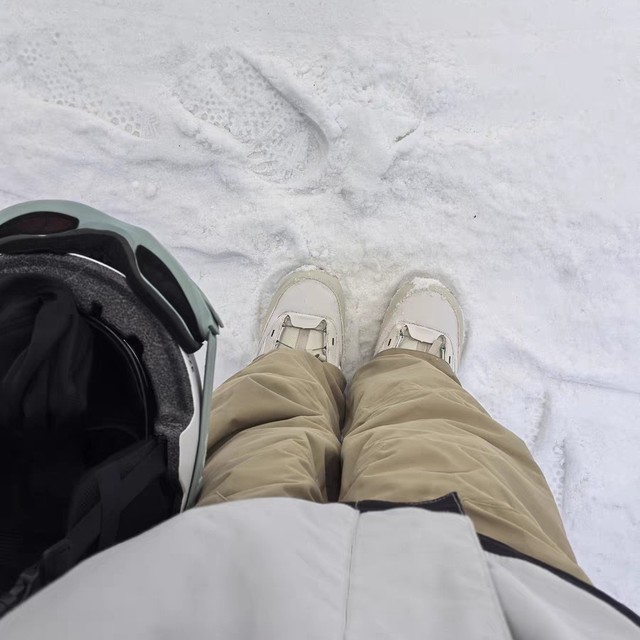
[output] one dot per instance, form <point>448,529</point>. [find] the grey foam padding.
<point>92,282</point>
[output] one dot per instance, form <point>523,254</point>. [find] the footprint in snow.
<point>48,67</point>
<point>224,90</point>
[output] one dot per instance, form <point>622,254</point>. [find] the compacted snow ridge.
<point>490,145</point>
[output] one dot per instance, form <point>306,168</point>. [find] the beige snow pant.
<point>411,434</point>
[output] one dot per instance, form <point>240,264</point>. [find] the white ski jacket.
<point>283,569</point>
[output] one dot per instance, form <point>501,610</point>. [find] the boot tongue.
<point>422,339</point>
<point>304,321</point>
<point>305,332</point>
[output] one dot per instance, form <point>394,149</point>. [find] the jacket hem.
<point>500,549</point>
<point>451,503</point>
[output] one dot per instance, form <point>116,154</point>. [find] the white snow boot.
<point>307,312</point>
<point>424,316</point>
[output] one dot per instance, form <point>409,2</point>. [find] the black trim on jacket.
<point>451,503</point>
<point>500,549</point>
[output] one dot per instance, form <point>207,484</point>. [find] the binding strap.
<point>94,517</point>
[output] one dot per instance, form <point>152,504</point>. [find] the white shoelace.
<point>312,340</point>
<point>436,348</point>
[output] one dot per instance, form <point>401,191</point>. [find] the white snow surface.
<point>493,145</point>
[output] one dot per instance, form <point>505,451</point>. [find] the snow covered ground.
<point>492,144</point>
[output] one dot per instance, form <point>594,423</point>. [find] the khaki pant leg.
<point>412,434</point>
<point>275,431</point>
